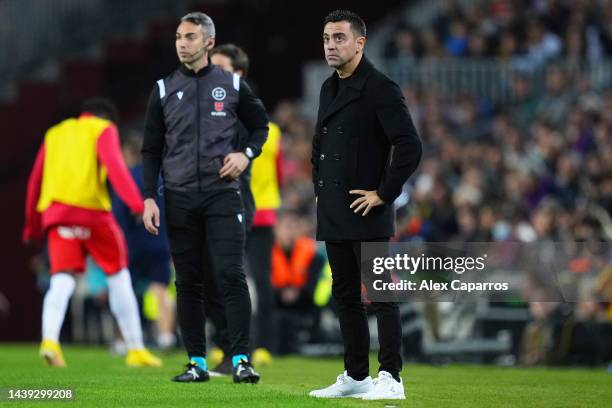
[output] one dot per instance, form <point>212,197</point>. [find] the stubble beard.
<point>191,61</point>
<point>341,64</point>
<point>338,64</point>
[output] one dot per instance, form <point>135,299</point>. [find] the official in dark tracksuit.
<point>190,132</point>
<point>364,150</point>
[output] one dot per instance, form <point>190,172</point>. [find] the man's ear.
<point>361,41</point>
<point>210,43</point>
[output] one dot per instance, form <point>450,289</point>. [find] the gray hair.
<point>199,18</point>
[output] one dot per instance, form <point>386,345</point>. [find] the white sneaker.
<point>385,387</point>
<point>345,387</point>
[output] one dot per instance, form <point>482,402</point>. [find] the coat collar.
<point>348,93</point>
<point>200,73</point>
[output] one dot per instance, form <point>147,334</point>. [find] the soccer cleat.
<point>385,387</point>
<point>51,352</point>
<point>193,373</point>
<point>345,387</point>
<point>245,373</point>
<point>142,358</point>
<point>223,368</point>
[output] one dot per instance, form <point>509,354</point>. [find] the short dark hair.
<point>102,108</point>
<point>239,58</point>
<point>357,24</point>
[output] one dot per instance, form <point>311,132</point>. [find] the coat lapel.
<point>349,93</point>
<point>328,91</point>
<point>346,96</point>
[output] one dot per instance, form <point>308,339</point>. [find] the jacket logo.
<point>180,94</point>
<point>218,94</point>
<point>218,110</point>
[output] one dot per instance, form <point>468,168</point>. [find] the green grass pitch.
<point>102,380</point>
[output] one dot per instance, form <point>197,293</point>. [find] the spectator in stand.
<point>555,103</point>
<point>456,42</point>
<point>296,268</point>
<point>404,44</point>
<point>542,45</point>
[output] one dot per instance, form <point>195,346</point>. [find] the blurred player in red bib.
<point>68,201</point>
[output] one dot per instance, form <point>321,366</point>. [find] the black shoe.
<point>224,368</point>
<point>193,373</point>
<point>245,373</point>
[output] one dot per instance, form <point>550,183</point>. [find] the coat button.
<point>322,156</point>
<point>321,184</point>
<point>324,130</point>
<point>339,130</point>
<point>337,156</point>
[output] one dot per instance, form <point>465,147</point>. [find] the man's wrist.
<point>379,196</point>
<point>249,153</point>
<point>245,155</point>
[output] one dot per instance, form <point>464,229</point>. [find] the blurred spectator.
<point>432,45</point>
<point>523,101</point>
<point>477,45</point>
<point>508,47</point>
<point>556,101</point>
<point>405,44</point>
<point>456,42</point>
<point>541,44</point>
<point>296,269</point>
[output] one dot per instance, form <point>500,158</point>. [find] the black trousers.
<point>264,334</point>
<point>259,254</point>
<point>345,259</point>
<point>214,306</point>
<point>213,301</point>
<point>206,234</point>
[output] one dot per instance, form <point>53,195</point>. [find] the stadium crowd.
<point>528,31</point>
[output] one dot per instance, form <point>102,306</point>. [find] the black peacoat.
<point>364,140</point>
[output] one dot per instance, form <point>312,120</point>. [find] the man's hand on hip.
<point>233,165</point>
<point>150,216</point>
<point>367,201</point>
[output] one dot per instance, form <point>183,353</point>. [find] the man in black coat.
<point>364,150</point>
